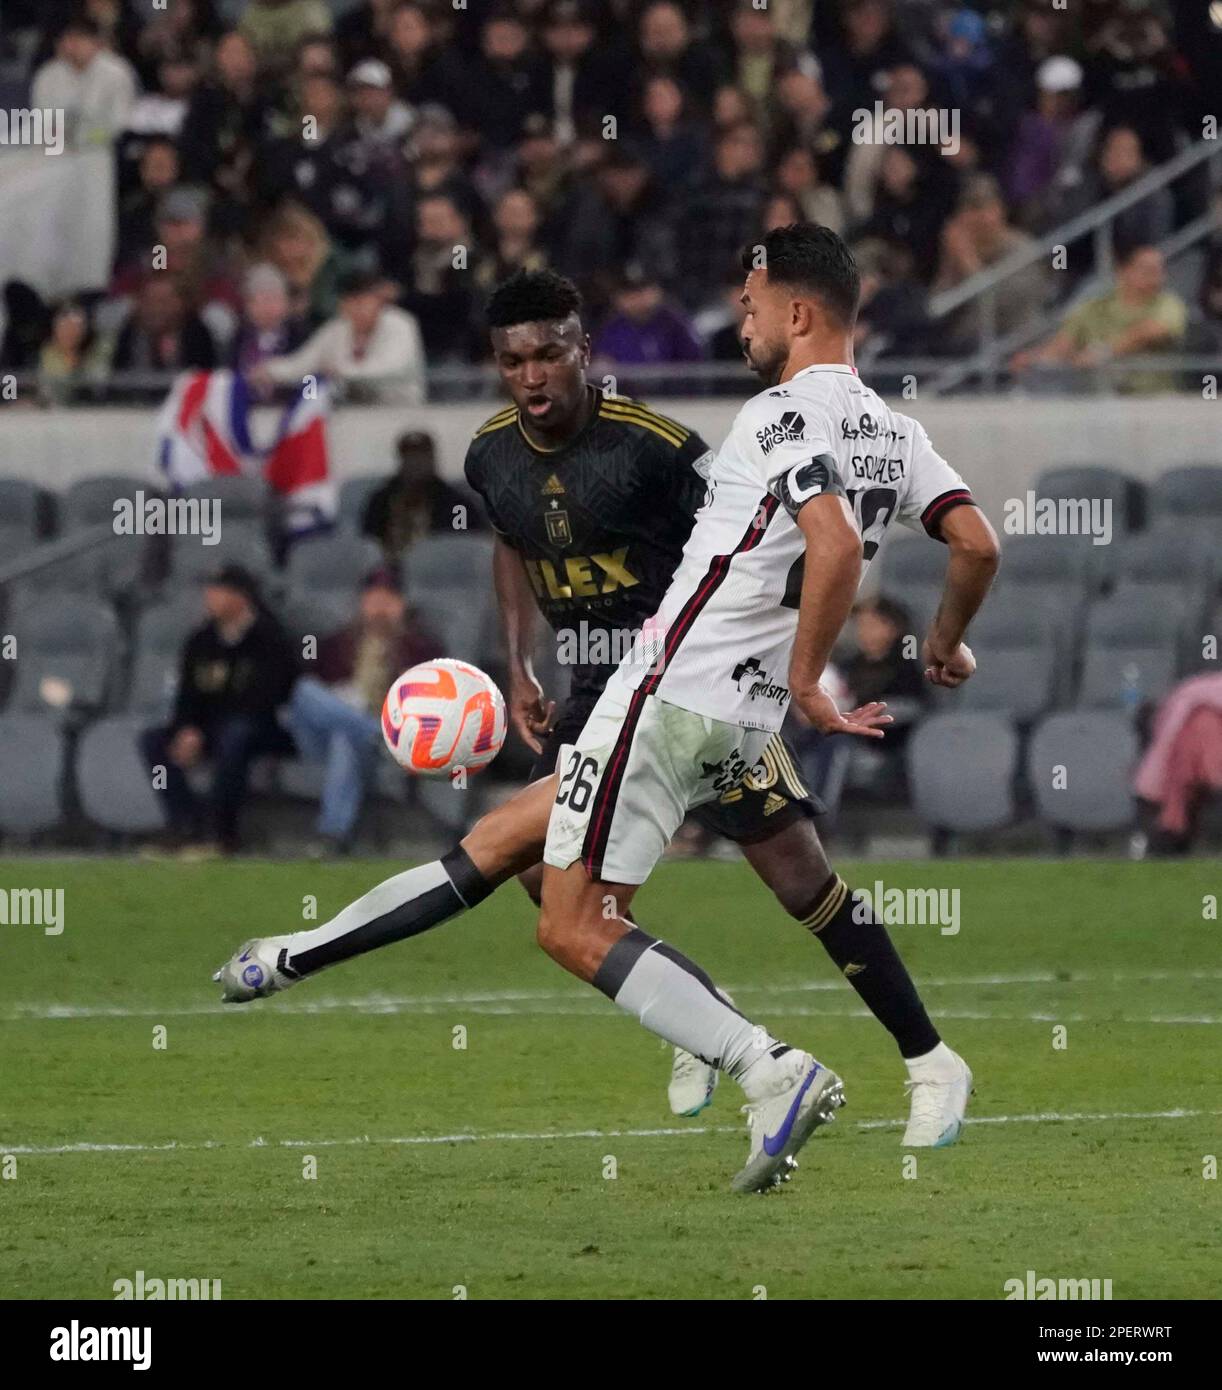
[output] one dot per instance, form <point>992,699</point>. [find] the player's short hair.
<point>532,296</point>
<point>809,257</point>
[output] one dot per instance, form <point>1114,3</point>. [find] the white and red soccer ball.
<point>441,716</point>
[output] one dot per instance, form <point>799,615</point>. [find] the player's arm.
<point>530,713</point>
<point>974,557</point>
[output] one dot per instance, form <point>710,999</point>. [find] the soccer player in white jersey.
<point>813,471</point>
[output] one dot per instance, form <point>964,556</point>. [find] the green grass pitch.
<point>578,1182</point>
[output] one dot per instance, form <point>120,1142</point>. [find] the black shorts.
<point>772,796</point>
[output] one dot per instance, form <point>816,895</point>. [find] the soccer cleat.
<point>938,1103</point>
<point>781,1124</point>
<point>692,1083</point>
<point>260,968</point>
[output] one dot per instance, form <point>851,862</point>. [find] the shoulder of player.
<point>778,406</point>
<point>637,416</point>
<point>501,420</point>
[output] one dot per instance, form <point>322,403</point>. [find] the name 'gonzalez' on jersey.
<point>720,643</point>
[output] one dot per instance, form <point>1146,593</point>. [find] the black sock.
<point>406,905</point>
<point>865,956</point>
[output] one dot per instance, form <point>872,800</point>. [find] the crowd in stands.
<point>310,187</point>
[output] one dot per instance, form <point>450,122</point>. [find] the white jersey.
<point>720,643</point>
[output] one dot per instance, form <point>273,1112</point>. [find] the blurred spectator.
<point>516,223</point>
<point>666,48</point>
<point>181,246</point>
<point>276,27</point>
<point>415,502</point>
<point>976,237</point>
<point>236,673</point>
<point>586,81</point>
<point>907,90</point>
<point>94,89</point>
<point>72,356</point>
<point>381,120</point>
<point>363,31</point>
<point>725,343</point>
<point>731,108</point>
<point>1138,317</point>
<point>444,273</point>
<point>183,31</point>
<point>762,57</point>
<point>1052,148</point>
<point>910,205</point>
<point>162,108</point>
<point>436,163</point>
<point>268,328</point>
<point>336,715</point>
<point>1121,161</point>
<point>797,174</point>
<point>297,244</point>
<point>799,119</point>
<point>673,146</point>
<point>720,215</point>
<point>1208,324</point>
<point>424,72</point>
<point>163,333</point>
<point>316,56</point>
<point>856,60</point>
<point>371,345</point>
<point>508,81</point>
<point>643,327</point>
<point>1183,765</point>
<point>781,210</point>
<point>892,320</point>
<point>158,173</point>
<point>1137,77</point>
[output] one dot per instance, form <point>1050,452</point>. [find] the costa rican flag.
<point>298,464</point>
<point>204,429</point>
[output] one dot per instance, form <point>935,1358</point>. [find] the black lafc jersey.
<point>600,522</point>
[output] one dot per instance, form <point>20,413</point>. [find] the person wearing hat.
<point>644,327</point>
<point>379,118</point>
<point>414,501</point>
<point>237,671</point>
<point>336,707</point>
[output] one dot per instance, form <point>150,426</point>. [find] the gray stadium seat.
<point>161,633</point>
<point>111,570</point>
<point>1064,560</point>
<point>1016,680</point>
<point>443,561</point>
<point>1162,556</point>
<point>115,786</point>
<point>911,559</point>
<point>1130,654</point>
<point>317,613</point>
<point>243,500</point>
<point>1092,480</point>
<point>75,643</point>
<point>23,507</point>
<point>1190,496</point>
<point>1097,752</point>
<point>961,771</point>
<point>31,773</point>
<point>91,500</point>
<point>240,543</point>
<point>338,563</point>
<point>353,497</point>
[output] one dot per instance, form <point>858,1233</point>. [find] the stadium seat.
<point>243,500</point>
<point>161,632</point>
<point>1064,560</point>
<point>444,561</point>
<point>23,507</point>
<point>245,544</point>
<point>1079,767</point>
<point>337,563</point>
<point>316,613</point>
<point>90,501</point>
<point>961,771</point>
<point>1091,481</point>
<point>1016,680</point>
<point>114,785</point>
<point>31,773</point>
<point>1190,558</point>
<point>1190,497</point>
<point>111,569</point>
<point>911,560</point>
<point>67,649</point>
<point>353,497</point>
<point>1130,656</point>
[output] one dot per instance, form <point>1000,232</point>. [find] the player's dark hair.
<point>811,258</point>
<point>532,296</point>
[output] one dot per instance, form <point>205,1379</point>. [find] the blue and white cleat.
<point>939,1089</point>
<point>780,1125</point>
<point>260,968</point>
<point>692,1083</point>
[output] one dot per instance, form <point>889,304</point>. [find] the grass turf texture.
<point>1124,1199</point>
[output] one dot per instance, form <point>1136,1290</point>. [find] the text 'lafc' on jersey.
<point>721,641</point>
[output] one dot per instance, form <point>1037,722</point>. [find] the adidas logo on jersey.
<point>553,487</point>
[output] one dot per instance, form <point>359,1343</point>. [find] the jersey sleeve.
<point>933,487</point>
<point>791,446</point>
<point>475,474</point>
<point>690,465</point>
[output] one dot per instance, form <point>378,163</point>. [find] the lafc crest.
<point>559,532</point>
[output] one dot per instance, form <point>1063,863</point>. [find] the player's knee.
<point>554,933</point>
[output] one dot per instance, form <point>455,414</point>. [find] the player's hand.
<point>866,720</point>
<point>531,715</point>
<point>948,669</point>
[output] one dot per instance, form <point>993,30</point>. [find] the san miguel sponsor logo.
<point>789,428</point>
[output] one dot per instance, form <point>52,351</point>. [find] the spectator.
<point>857,60</point>
<point>370,345</point>
<point>643,327</point>
<point>363,31</point>
<point>910,206</point>
<point>672,145</point>
<point>721,214</point>
<point>508,81</point>
<point>162,108</point>
<point>798,175</point>
<point>181,246</point>
<point>731,108</point>
<point>1183,765</point>
<point>268,328</point>
<point>892,320</point>
<point>425,72</point>
<point>762,57</point>
<point>237,671</point>
<point>336,715</point>
<point>1121,162</point>
<point>907,90</point>
<point>444,273</point>
<point>72,357</point>
<point>436,165</point>
<point>184,31</point>
<point>158,173</point>
<point>1052,148</point>
<point>163,334</point>
<point>667,49</point>
<point>316,56</point>
<point>297,244</point>
<point>94,89</point>
<point>516,221</point>
<point>725,343</point>
<point>781,210</point>
<point>799,119</point>
<point>276,27</point>
<point>1138,317</point>
<point>585,81</point>
<point>976,237</point>
<point>382,122</point>
<point>1137,77</point>
<point>415,502</point>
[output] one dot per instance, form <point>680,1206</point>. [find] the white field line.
<point>562,1002</point>
<point>503,1136</point>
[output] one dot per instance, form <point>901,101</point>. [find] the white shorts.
<point>637,768</point>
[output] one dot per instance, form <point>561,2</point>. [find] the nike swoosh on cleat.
<point>774,1143</point>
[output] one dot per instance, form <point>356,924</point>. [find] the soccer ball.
<point>441,716</point>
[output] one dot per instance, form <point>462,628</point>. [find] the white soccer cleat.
<point>260,968</point>
<point>939,1098</point>
<point>781,1124</point>
<point>692,1083</point>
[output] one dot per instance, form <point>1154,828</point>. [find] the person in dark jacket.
<point>415,502</point>
<point>336,709</point>
<point>237,671</point>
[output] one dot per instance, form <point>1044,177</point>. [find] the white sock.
<point>940,1064</point>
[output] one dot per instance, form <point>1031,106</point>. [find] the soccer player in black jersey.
<point>592,498</point>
